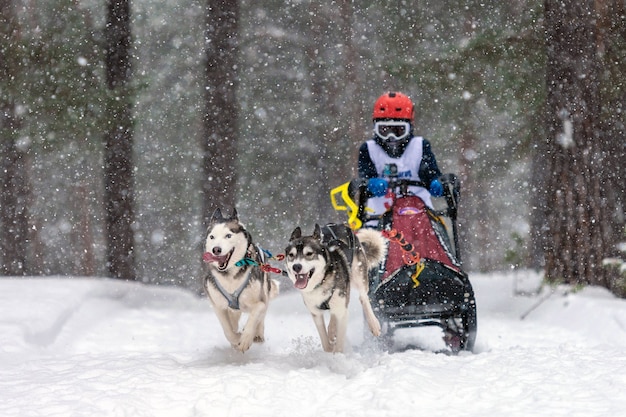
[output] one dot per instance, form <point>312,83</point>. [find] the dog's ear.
<point>296,234</point>
<point>235,217</point>
<point>217,215</point>
<point>317,233</point>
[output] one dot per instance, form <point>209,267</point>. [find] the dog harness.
<point>233,299</point>
<point>348,244</point>
<point>324,305</point>
<point>332,241</point>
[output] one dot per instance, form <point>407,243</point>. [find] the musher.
<point>395,152</point>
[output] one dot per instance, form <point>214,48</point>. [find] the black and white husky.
<point>324,266</point>
<point>235,281</point>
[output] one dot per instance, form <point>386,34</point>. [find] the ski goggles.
<point>392,130</point>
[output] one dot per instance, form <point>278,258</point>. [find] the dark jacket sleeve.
<point>429,170</point>
<point>366,166</point>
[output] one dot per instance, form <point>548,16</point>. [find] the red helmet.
<point>393,106</point>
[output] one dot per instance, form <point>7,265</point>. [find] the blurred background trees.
<point>52,93</point>
<point>307,75</point>
<point>14,187</point>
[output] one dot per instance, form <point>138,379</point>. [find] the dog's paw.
<point>259,339</point>
<point>234,339</point>
<point>243,347</point>
<point>244,343</point>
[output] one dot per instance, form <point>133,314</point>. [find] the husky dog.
<point>324,266</point>
<point>235,281</point>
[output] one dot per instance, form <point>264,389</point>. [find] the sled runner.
<point>421,282</point>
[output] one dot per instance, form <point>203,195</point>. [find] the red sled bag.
<point>413,223</point>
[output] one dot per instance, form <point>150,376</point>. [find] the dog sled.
<point>421,282</point>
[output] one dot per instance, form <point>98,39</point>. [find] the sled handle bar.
<point>397,182</point>
<point>403,184</point>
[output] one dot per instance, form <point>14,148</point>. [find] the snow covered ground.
<point>100,347</point>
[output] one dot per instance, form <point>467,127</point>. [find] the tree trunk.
<point>14,186</point>
<point>118,164</point>
<point>611,41</point>
<point>82,239</point>
<point>221,116</point>
<point>351,107</point>
<point>540,176</point>
<point>577,238</point>
<point>317,156</point>
<point>13,197</point>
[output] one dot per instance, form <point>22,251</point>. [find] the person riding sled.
<point>420,282</point>
<point>396,152</point>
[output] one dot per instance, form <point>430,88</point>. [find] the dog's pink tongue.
<point>301,281</point>
<point>209,257</point>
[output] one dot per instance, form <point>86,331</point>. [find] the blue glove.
<point>436,189</point>
<point>378,186</point>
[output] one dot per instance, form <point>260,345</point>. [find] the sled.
<point>421,282</point>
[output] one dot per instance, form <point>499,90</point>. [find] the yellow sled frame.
<point>348,205</point>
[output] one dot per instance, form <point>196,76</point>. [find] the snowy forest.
<point>269,102</point>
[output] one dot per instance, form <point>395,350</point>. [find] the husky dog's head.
<point>226,242</point>
<point>305,258</point>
